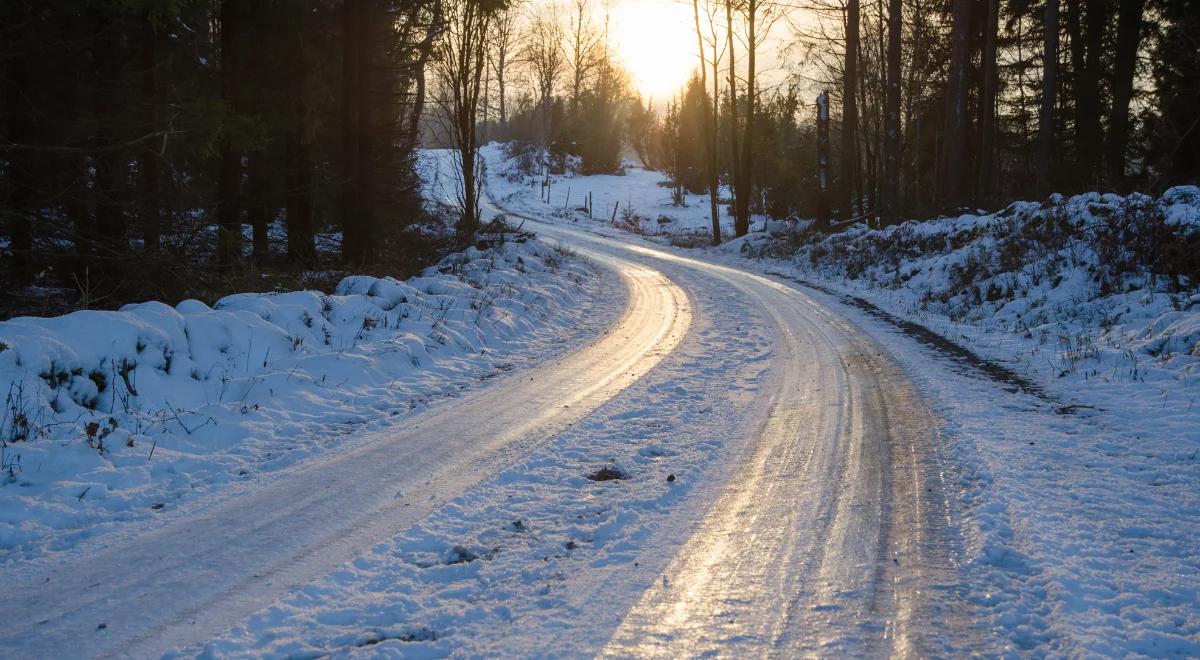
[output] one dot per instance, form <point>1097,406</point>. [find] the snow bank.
<point>109,415</point>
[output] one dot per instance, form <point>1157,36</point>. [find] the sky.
<point>656,42</point>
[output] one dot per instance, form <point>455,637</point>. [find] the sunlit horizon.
<point>656,42</point>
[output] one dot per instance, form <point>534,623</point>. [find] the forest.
<point>170,149</point>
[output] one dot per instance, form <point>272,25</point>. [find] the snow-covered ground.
<point>111,417</point>
<point>1065,512</point>
<point>1082,502</point>
<point>638,200</point>
<point>1088,505</point>
<point>541,559</point>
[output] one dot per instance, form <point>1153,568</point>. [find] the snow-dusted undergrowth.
<point>1094,276</point>
<point>110,416</point>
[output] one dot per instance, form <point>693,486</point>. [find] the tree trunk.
<point>110,163</point>
<point>735,182</point>
<point>500,65</point>
<point>274,42</point>
<point>849,115</point>
<point>21,176</point>
<point>1089,137</point>
<point>1049,90</point>
<point>150,202</point>
<point>741,224</point>
<point>987,129</point>
<point>258,208</point>
<point>301,248</point>
<point>1077,53</point>
<point>860,182</point>
<point>1129,34</point>
<point>352,235</point>
<point>710,129</point>
<point>716,129</point>
<point>891,133</point>
<point>366,133</point>
<point>229,222</point>
<point>823,161</point>
<point>953,170</point>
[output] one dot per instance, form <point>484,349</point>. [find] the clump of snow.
<point>110,415</point>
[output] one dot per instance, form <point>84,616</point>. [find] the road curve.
<point>832,533</point>
<point>182,583</point>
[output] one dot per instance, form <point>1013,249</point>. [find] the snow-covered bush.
<point>1092,269</point>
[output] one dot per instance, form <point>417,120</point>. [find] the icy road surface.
<point>833,531</point>
<point>820,524</point>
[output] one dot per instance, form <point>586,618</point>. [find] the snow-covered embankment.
<point>114,416</point>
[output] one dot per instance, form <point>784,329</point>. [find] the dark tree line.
<point>942,105</point>
<point>161,148</point>
<point>977,102</point>
<point>155,148</point>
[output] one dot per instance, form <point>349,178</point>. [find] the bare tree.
<point>953,168</point>
<point>987,127</point>
<point>710,129</point>
<point>890,187</point>
<point>543,54</point>
<point>504,42</point>
<point>229,222</point>
<point>462,59</point>
<point>714,7</point>
<point>1129,35</point>
<point>849,113</point>
<point>735,158</point>
<point>1049,89</point>
<point>759,18</point>
<point>583,41</point>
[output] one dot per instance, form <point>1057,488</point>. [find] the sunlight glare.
<point>656,43</point>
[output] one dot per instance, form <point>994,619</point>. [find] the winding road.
<point>833,532</point>
<point>830,534</point>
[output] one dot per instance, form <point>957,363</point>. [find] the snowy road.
<point>189,580</point>
<point>832,533</point>
<point>823,528</point>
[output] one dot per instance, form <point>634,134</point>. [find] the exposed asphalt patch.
<point>965,357</point>
<point>606,474</point>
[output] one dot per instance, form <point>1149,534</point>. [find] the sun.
<point>656,42</point>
